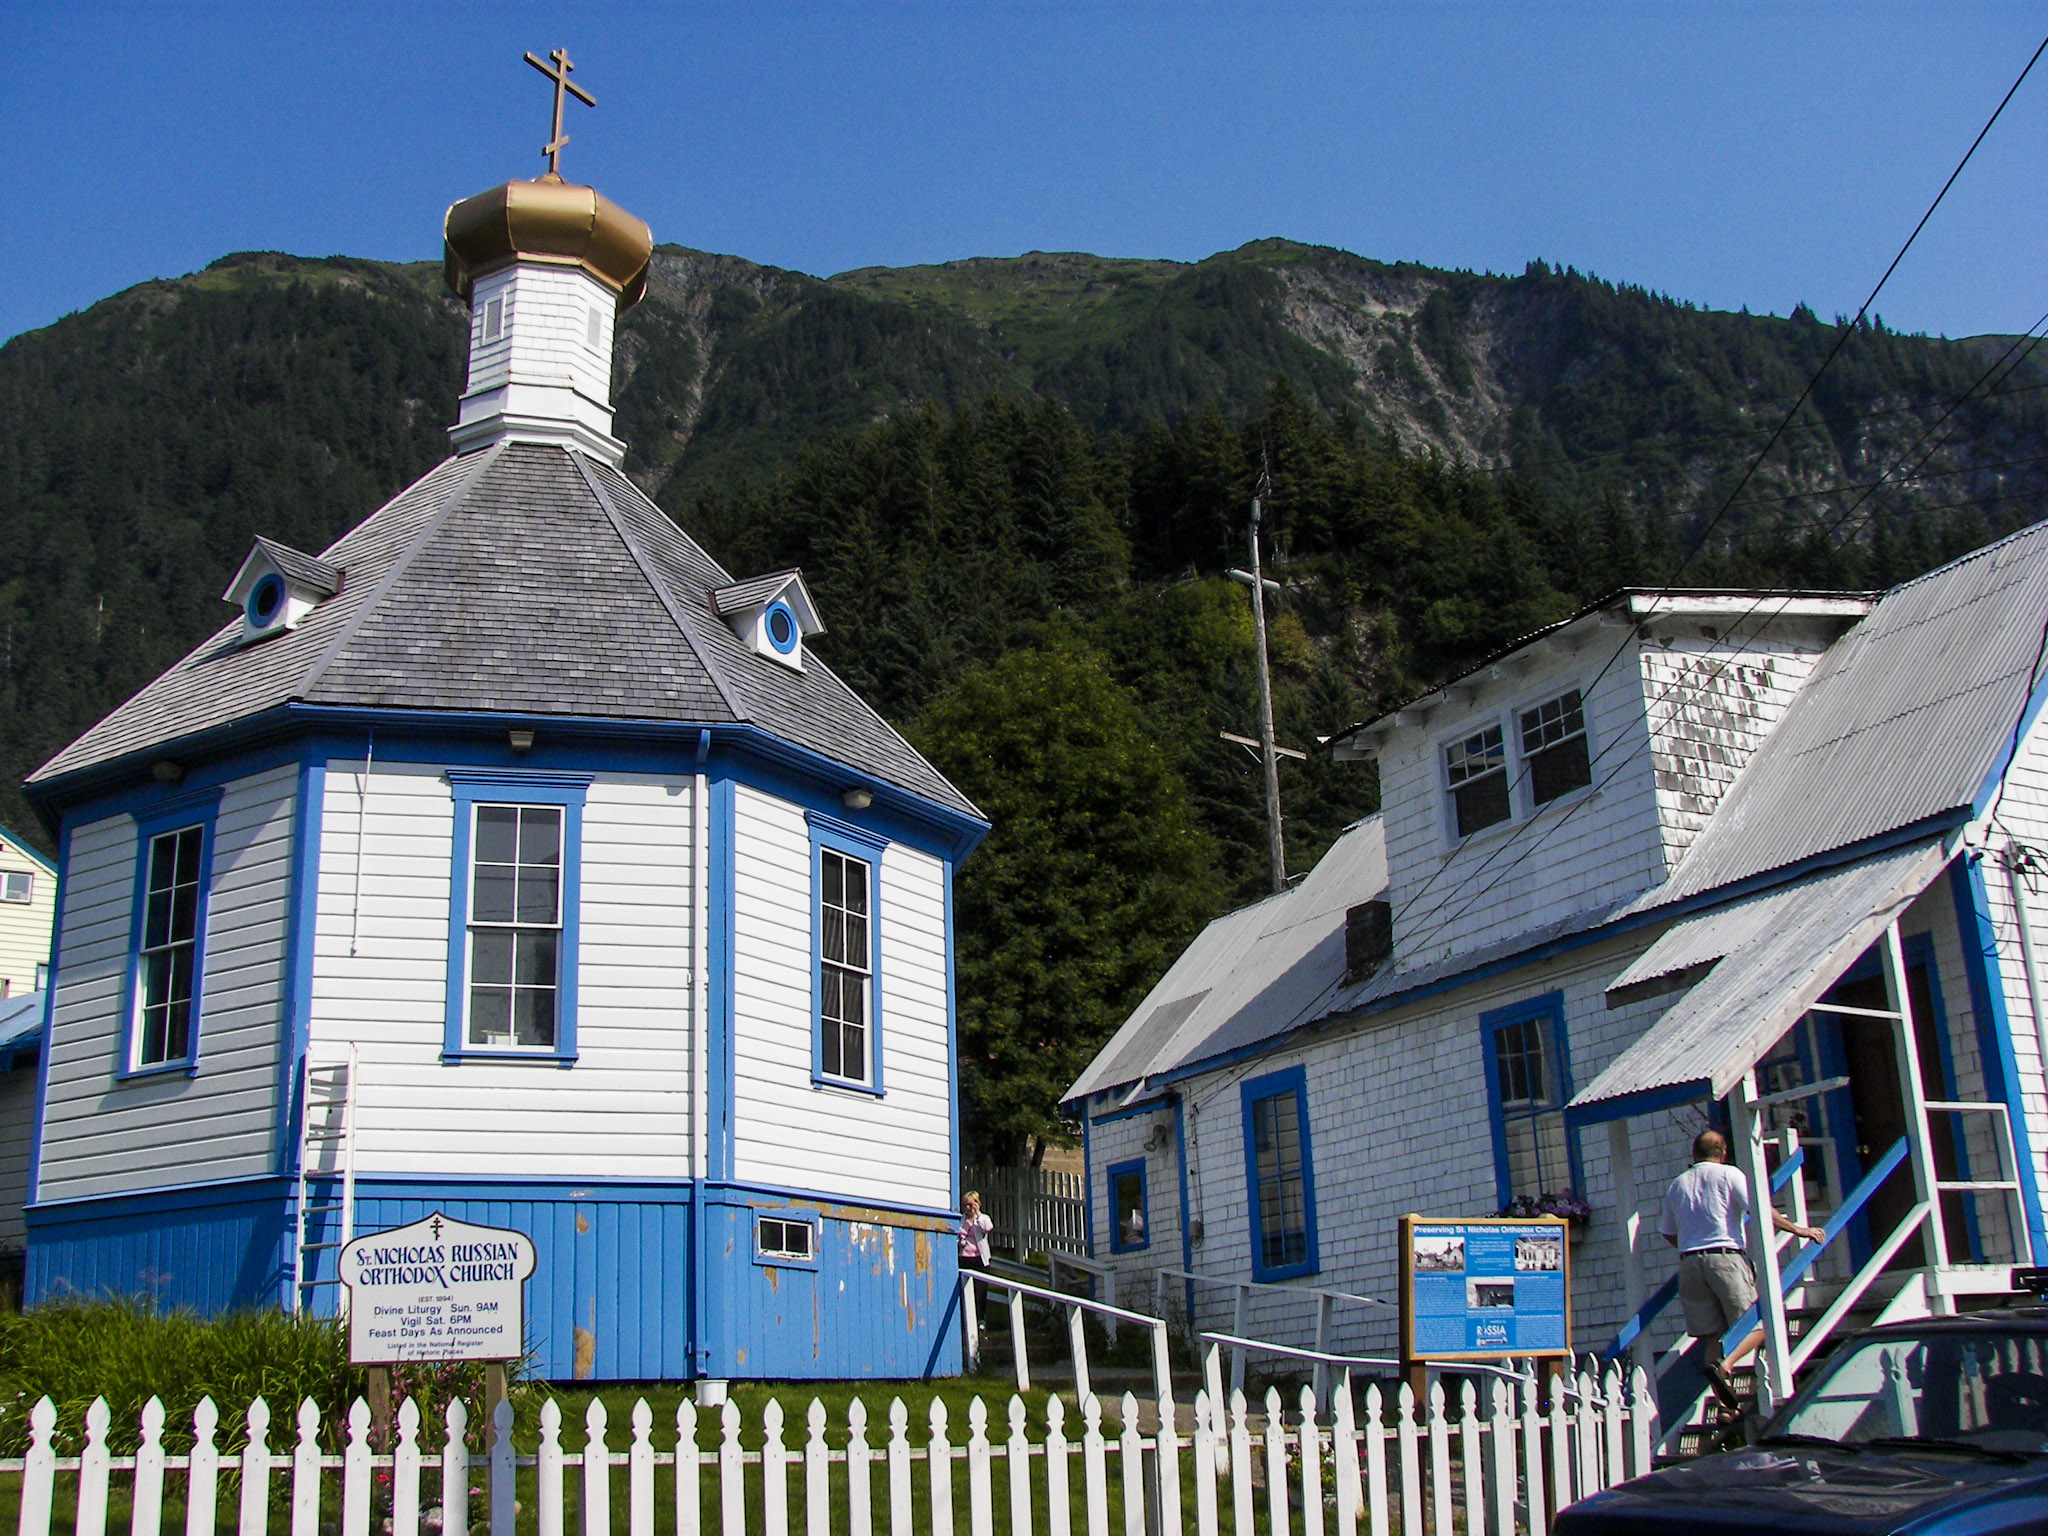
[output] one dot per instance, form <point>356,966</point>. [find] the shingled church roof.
<point>524,579</point>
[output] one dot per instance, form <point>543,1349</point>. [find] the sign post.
<point>1482,1289</point>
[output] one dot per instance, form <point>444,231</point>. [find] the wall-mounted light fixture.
<point>522,741</point>
<point>856,799</point>
<point>164,771</point>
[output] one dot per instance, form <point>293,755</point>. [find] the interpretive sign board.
<point>1480,1289</point>
<point>440,1289</point>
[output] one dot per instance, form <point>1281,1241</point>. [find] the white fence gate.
<point>1494,1461</point>
<point>1036,1210</point>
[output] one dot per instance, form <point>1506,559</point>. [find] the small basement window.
<point>1554,747</point>
<point>783,1237</point>
<point>1476,768</point>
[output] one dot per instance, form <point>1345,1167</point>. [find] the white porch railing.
<point>1485,1461</point>
<point>1077,1334</point>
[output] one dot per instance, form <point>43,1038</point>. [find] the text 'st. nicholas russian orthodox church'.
<point>510,858</point>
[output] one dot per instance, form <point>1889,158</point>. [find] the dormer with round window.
<point>771,614</point>
<point>277,587</point>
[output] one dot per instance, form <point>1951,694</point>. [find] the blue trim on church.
<point>611,1298</point>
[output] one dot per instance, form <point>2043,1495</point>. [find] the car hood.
<point>1766,1489</point>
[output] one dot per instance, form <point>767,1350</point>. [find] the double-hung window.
<point>847,1044</point>
<point>1554,748</point>
<point>513,914</point>
<point>167,971</point>
<point>1280,1175</point>
<point>1476,768</point>
<point>1528,1083</point>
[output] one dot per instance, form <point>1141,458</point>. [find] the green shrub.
<point>129,1351</point>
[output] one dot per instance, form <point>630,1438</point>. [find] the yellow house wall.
<point>25,929</point>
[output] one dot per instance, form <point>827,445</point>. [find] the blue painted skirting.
<point>610,1297</point>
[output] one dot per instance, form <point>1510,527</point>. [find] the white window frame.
<point>779,1252</point>
<point>480,927</point>
<point>1506,717</point>
<point>26,887</point>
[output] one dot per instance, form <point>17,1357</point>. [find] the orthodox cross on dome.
<point>563,86</point>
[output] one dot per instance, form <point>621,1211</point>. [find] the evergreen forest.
<point>1016,489</point>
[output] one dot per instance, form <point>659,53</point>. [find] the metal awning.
<point>1763,962</point>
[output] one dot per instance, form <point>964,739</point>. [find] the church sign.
<point>1481,1289</point>
<point>439,1289</point>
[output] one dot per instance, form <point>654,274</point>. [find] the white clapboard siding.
<point>786,1131</point>
<point>623,1109</point>
<point>103,1136</point>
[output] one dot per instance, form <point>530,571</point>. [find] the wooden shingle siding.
<point>1561,861</point>
<point>622,1110</point>
<point>103,1136</point>
<point>786,1131</point>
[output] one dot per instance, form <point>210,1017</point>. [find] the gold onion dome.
<point>547,220</point>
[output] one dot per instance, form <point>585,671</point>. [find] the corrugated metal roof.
<point>1778,953</point>
<point>1251,975</point>
<point>21,1021</point>
<point>1906,717</point>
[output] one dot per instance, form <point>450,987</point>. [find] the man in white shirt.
<point>1704,1212</point>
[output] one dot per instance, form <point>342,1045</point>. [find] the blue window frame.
<point>1130,1220</point>
<point>1280,1175</point>
<point>514,914</point>
<point>1528,1084</point>
<point>846,955</point>
<point>164,992</point>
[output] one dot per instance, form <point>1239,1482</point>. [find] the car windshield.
<point>1985,1389</point>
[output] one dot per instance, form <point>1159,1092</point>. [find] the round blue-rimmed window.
<point>265,599</point>
<point>782,630</point>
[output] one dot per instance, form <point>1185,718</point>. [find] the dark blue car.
<point>1937,1426</point>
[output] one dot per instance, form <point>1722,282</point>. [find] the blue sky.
<point>1725,153</point>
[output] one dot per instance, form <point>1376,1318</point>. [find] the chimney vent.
<point>1368,938</point>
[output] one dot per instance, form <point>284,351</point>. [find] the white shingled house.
<point>1755,858</point>
<point>511,859</point>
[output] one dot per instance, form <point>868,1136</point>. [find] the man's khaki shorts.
<point>1715,1289</point>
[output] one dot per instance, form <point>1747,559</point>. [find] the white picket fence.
<point>1481,1462</point>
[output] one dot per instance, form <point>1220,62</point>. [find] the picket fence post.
<point>1439,1458</point>
<point>1166,1465</point>
<point>255,1510</point>
<point>1059,1509</point>
<point>1588,1431</point>
<point>1131,1453</point>
<point>355,1473</point>
<point>547,1471</point>
<point>899,1469</point>
<point>1344,1448</point>
<point>1376,1461</point>
<point>860,1519</point>
<point>1240,1464</point>
<point>1611,1421</point>
<point>1276,1465</point>
<point>640,1471</point>
<point>980,1483</point>
<point>1205,1466</point>
<point>817,1474</point>
<point>1468,1447</point>
<point>405,1476</point>
<point>1017,1455</point>
<point>306,1472</point>
<point>689,1472</point>
<point>1311,1466</point>
<point>1503,1430</point>
<point>39,1472</point>
<point>454,1471</point>
<point>1532,1456</point>
<point>597,1472</point>
<point>1642,1402</point>
<point>92,1472</point>
<point>504,1466</point>
<point>1560,1441</point>
<point>202,1471</point>
<point>939,1466</point>
<point>732,1471</point>
<point>774,1473</point>
<point>1095,1488</point>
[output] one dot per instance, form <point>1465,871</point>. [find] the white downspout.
<point>2017,875</point>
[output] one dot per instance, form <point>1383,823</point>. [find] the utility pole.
<point>1276,842</point>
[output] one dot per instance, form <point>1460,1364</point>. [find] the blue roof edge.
<point>50,797</point>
